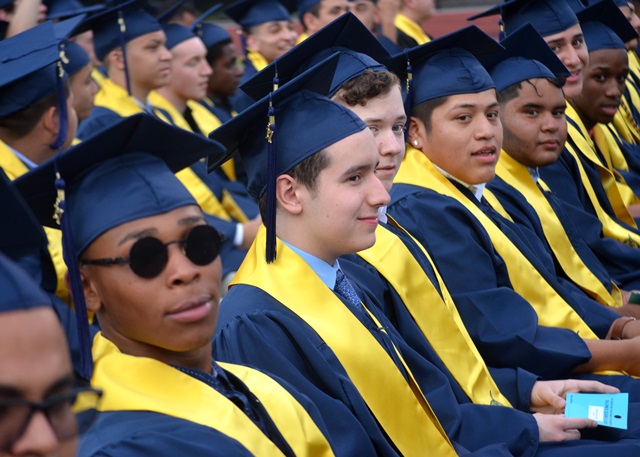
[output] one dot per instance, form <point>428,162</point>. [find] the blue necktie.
<point>344,288</point>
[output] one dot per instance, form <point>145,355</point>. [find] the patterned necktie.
<point>344,288</point>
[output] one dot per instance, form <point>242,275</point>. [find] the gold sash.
<point>623,121</point>
<point>617,190</point>
<point>14,168</point>
<point>116,99</point>
<point>177,119</point>
<point>437,316</point>
<point>526,280</point>
<point>410,28</point>
<point>143,384</point>
<point>516,175</point>
<point>257,60</point>
<point>398,405</point>
<point>98,77</point>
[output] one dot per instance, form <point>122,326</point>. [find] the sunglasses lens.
<point>148,257</point>
<point>202,245</point>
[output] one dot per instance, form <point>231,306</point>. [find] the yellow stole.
<point>436,315</point>
<point>143,384</point>
<point>526,280</point>
<point>303,36</point>
<point>14,168</point>
<point>257,60</point>
<point>116,98</point>
<point>98,77</point>
<point>399,406</point>
<point>177,119</point>
<point>616,189</point>
<point>407,26</point>
<point>623,120</point>
<point>516,175</point>
<point>200,191</point>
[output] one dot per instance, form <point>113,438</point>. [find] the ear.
<point>309,20</point>
<point>115,59</point>
<point>288,194</point>
<point>50,121</point>
<point>251,43</point>
<point>91,295</point>
<point>417,136</point>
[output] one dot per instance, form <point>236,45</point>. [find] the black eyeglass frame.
<point>45,406</point>
<point>107,262</point>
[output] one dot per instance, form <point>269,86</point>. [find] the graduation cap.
<point>24,240</point>
<point>63,9</point>
<point>548,17</point>
<point>605,27</point>
<point>166,16</point>
<point>304,6</point>
<point>250,13</point>
<point>73,57</point>
<point>176,34</point>
<point>4,3</point>
<point>526,56</point>
<point>19,290</point>
<point>306,121</point>
<point>31,70</point>
<point>358,50</point>
<point>210,34</point>
<point>124,173</point>
<point>446,66</point>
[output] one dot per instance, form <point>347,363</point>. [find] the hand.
<point>559,428</point>
<point>549,396</point>
<point>250,230</point>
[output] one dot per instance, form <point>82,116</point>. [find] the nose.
<point>180,270</point>
<point>38,439</point>
<point>486,128</point>
<point>390,143</point>
<point>551,123</point>
<point>378,195</point>
<point>614,89</point>
<point>206,69</point>
<point>569,58</point>
<point>165,54</point>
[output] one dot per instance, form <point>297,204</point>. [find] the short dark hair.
<point>215,52</point>
<point>306,173</point>
<point>510,92</point>
<point>20,124</point>
<point>370,84</point>
<point>315,10</point>
<point>424,110</point>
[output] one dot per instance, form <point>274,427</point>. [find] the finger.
<point>571,434</point>
<point>578,423</point>
<point>595,386</point>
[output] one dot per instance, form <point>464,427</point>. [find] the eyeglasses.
<point>148,256</point>
<point>60,410</point>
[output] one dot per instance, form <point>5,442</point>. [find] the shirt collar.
<point>382,215</point>
<point>535,173</point>
<point>29,163</point>
<point>475,189</point>
<point>326,272</point>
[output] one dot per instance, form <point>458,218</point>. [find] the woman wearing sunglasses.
<point>147,264</point>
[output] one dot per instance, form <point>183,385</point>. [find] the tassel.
<point>82,321</point>
<point>270,223</point>
<point>62,105</point>
<point>123,43</point>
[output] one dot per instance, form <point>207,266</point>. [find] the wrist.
<point>617,328</point>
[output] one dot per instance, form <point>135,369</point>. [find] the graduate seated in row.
<point>267,33</point>
<point>409,20</point>
<point>147,264</point>
<point>187,84</point>
<point>37,117</point>
<point>136,61</point>
<point>581,178</point>
<point>519,313</point>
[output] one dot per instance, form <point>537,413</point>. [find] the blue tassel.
<point>70,258</point>
<point>62,108</point>
<point>270,223</point>
<point>123,43</point>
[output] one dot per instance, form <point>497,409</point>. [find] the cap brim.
<point>140,133</point>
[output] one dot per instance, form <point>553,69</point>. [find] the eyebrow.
<point>56,386</point>
<point>190,220</point>
<point>357,168</point>
<point>472,106</point>
<point>374,120</point>
<point>137,235</point>
<point>558,41</point>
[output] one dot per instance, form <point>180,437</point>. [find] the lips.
<point>488,151</point>
<point>192,310</point>
<point>574,77</point>
<point>370,220</point>
<point>550,144</point>
<point>610,109</point>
